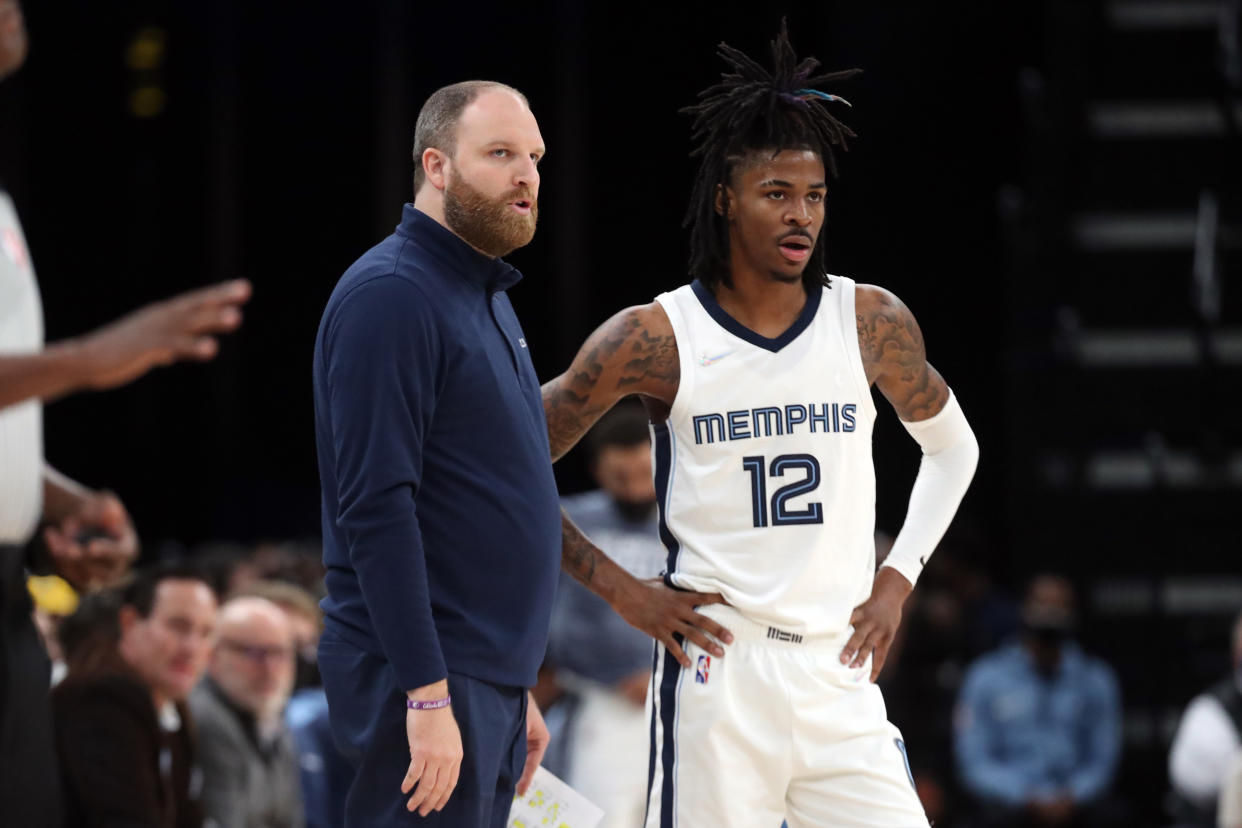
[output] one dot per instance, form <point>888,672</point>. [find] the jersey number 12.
<point>782,515</point>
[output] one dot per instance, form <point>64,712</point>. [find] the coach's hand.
<point>435,752</point>
<point>876,621</point>
<point>537,739</point>
<point>662,612</point>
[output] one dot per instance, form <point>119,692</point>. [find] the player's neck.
<point>765,305</point>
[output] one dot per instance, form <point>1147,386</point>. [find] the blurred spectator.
<point>1207,738</point>
<point>601,659</point>
<point>89,637</point>
<point>955,615</point>
<point>305,622</point>
<point>1038,722</point>
<point>250,776</point>
<point>122,731</point>
<point>298,562</point>
<point>54,600</point>
<point>921,685</point>
<point>229,566</point>
<point>325,774</point>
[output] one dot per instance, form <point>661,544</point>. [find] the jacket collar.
<point>454,253</point>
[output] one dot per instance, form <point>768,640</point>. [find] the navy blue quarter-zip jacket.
<point>441,525</point>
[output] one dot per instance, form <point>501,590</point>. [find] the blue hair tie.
<point>806,94</point>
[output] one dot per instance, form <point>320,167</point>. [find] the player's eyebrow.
<point>777,182</point>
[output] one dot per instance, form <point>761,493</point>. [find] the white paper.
<point>550,803</point>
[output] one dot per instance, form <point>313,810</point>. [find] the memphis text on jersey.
<point>774,421</point>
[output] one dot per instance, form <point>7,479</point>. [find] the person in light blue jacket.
<point>1038,721</point>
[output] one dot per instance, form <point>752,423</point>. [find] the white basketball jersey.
<point>764,467</point>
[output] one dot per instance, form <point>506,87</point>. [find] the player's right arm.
<point>634,352</point>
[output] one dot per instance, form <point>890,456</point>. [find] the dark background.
<point>156,146</point>
<point>282,152</point>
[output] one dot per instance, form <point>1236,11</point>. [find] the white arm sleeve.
<point>950,454</point>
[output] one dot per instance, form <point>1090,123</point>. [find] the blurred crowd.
<point>187,693</point>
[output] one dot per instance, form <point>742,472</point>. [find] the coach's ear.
<point>435,167</point>
<point>724,202</point>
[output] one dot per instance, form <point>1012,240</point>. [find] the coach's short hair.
<point>437,120</point>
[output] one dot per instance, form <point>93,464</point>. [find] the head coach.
<point>441,523</point>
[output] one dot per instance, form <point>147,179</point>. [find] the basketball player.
<point>757,379</point>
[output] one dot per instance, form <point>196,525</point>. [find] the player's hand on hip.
<point>663,612</point>
<point>537,739</point>
<point>876,620</point>
<point>183,327</point>
<point>435,752</point>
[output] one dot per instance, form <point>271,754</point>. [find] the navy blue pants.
<point>367,711</point>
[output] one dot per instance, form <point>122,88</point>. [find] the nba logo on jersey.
<point>702,671</point>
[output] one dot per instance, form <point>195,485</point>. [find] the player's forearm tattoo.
<point>621,357</point>
<point>567,399</point>
<point>563,410</point>
<point>578,555</point>
<point>892,345</point>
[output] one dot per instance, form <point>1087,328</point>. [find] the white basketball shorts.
<point>776,729</point>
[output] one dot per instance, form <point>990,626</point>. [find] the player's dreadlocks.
<point>755,110</point>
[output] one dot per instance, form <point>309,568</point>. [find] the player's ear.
<point>724,204</point>
<point>435,167</point>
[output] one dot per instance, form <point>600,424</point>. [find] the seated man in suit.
<point>250,772</point>
<point>126,750</point>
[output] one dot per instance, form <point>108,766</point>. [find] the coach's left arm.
<point>895,360</point>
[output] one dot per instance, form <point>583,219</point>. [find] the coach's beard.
<point>487,224</point>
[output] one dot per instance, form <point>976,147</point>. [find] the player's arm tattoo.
<point>579,556</point>
<point>634,352</point>
<point>895,357</point>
